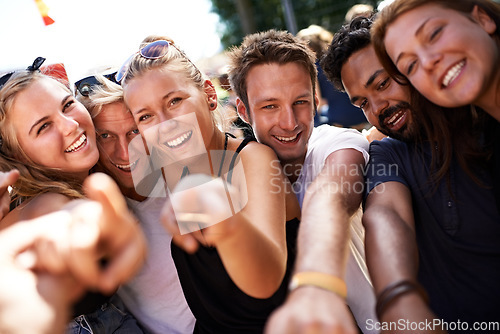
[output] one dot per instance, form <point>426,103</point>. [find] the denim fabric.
<point>110,318</point>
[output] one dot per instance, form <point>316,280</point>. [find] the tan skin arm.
<point>390,234</point>
<point>35,207</point>
<point>94,222</point>
<point>251,243</point>
<point>322,247</point>
<point>48,262</point>
<point>329,203</point>
<point>391,249</point>
<point>42,297</point>
<point>260,237</point>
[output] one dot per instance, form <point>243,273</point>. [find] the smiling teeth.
<point>286,138</point>
<point>77,144</point>
<point>129,166</point>
<point>395,117</point>
<point>179,140</point>
<point>123,166</point>
<point>453,73</point>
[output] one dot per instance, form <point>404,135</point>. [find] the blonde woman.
<point>230,271</point>
<point>48,137</point>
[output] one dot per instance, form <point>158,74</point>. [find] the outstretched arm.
<point>328,205</point>
<point>39,296</point>
<point>250,242</point>
<point>49,261</point>
<point>103,245</point>
<point>391,252</point>
<point>113,247</point>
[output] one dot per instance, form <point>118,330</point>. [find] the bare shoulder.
<point>42,204</point>
<point>9,219</point>
<point>35,207</point>
<point>258,152</point>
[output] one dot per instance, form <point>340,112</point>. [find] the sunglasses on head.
<point>37,63</point>
<point>84,86</point>
<point>153,50</point>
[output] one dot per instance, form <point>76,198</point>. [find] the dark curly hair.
<point>351,38</point>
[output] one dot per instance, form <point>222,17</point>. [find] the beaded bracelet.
<point>395,290</point>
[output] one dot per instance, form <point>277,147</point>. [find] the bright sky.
<point>95,33</point>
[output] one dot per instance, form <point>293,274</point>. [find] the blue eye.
<point>43,127</point>
<point>67,105</point>
<point>144,117</point>
<point>175,101</point>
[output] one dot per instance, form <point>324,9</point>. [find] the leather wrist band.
<point>320,280</point>
<point>396,290</point>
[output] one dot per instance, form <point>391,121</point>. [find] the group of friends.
<point>133,209</point>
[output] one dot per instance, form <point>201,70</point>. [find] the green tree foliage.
<point>267,14</point>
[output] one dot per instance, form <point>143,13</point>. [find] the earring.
<point>212,105</point>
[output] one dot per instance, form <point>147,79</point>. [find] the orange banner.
<point>44,11</point>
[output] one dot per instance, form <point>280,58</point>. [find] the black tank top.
<point>218,305</point>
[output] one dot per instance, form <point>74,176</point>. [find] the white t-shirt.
<point>154,296</point>
<point>324,140</point>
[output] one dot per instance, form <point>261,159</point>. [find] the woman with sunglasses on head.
<point>448,49</point>
<point>49,138</point>
<point>231,270</point>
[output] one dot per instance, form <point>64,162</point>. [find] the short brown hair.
<point>272,46</point>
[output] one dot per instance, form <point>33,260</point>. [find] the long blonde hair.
<point>34,179</point>
<point>106,92</point>
<point>177,61</point>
